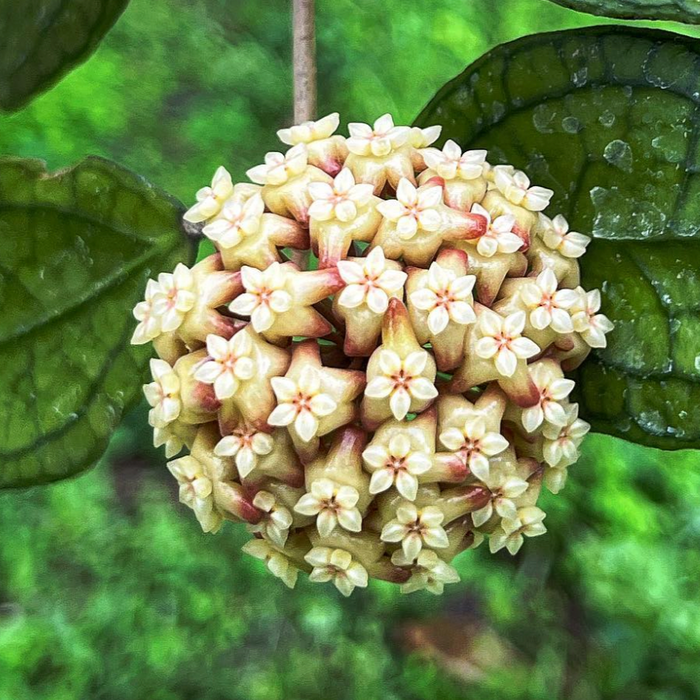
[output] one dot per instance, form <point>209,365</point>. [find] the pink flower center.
<point>503,341</point>
<point>302,402</point>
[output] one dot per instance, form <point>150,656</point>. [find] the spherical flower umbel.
<point>369,373</point>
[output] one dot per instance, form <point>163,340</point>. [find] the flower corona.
<point>369,372</point>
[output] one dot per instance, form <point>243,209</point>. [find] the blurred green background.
<point>108,588</point>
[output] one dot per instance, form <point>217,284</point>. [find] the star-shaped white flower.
<point>474,444</point>
<point>229,363</point>
<point>546,306</point>
<point>569,243</point>
<point>378,140</point>
<point>280,167</point>
<point>396,465</point>
<point>369,282</point>
<point>561,442</point>
<point>502,341</point>
<point>553,391</point>
<point>237,220</point>
<point>210,200</point>
<point>148,327</point>
<point>301,402</point>
<point>587,321</point>
<point>514,185</point>
<point>277,520</point>
<point>338,566</point>
<point>196,492</point>
<point>340,200</point>
<point>246,445</point>
<point>163,394</point>
<point>429,572</point>
<point>264,297</point>
<point>175,296</point>
<point>513,531</point>
<point>333,504</point>
<point>310,131</point>
<point>413,209</point>
<point>278,564</point>
<point>166,437</point>
<point>451,164</point>
<point>422,138</point>
<point>446,297</point>
<point>401,380</point>
<point>499,236</point>
<point>504,489</point>
<point>415,528</point>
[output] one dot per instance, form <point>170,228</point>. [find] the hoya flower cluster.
<point>369,372</point>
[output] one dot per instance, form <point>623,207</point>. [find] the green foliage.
<point>44,39</point>
<point>108,589</point>
<point>678,10</point>
<point>180,87</point>
<point>76,251</point>
<point>622,104</point>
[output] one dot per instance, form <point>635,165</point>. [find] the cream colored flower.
<point>148,327</point>
<point>338,566</point>
<point>310,131</point>
<point>280,167</point>
<point>499,236</point>
<point>301,403</point>
<point>569,243</point>
<point>196,492</point>
<point>502,341</point>
<point>474,444</point>
<point>504,489</point>
<point>378,140</point>
<point>587,321</point>
<point>401,380</point>
<point>277,562</point>
<point>396,465</point>
<point>514,185</point>
<point>451,164</point>
<point>264,298</point>
<point>422,138</point>
<point>416,528</point>
<point>553,391</point>
<point>369,282</point>
<point>275,525</point>
<point>446,297</point>
<point>246,445</point>
<point>165,437</point>
<point>429,572</point>
<point>237,220</point>
<point>340,200</point>
<point>176,295</point>
<point>163,394</point>
<point>228,365</point>
<point>333,504</point>
<point>528,523</point>
<point>210,200</point>
<point>413,209</point>
<point>561,443</point>
<point>546,306</point>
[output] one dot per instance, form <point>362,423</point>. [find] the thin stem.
<point>304,60</point>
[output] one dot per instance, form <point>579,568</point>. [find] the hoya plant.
<point>404,332</point>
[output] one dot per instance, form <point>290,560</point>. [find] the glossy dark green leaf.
<point>41,40</point>
<point>76,249</point>
<point>609,118</point>
<point>687,11</point>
